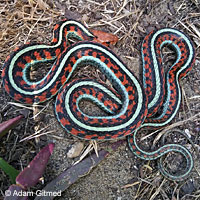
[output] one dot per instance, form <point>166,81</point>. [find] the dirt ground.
<point>121,176</point>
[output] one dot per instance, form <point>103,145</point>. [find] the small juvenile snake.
<point>130,105</point>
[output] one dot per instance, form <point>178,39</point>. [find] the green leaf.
<point>9,170</point>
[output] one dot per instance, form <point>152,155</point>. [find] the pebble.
<point>75,150</point>
<point>85,18</point>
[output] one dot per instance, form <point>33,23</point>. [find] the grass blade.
<point>9,170</point>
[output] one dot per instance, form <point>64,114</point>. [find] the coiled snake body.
<point>130,105</point>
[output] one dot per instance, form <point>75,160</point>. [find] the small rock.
<point>85,18</point>
<point>75,150</point>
